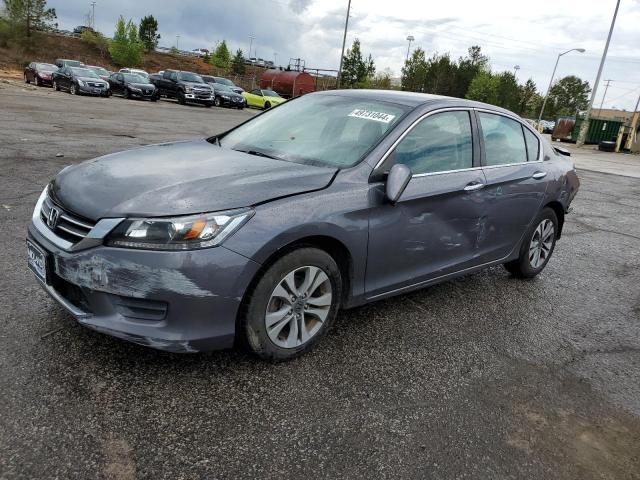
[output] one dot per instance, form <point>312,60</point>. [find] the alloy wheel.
<point>73,89</point>
<point>298,307</point>
<point>541,243</point>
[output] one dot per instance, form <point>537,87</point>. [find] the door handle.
<point>539,175</point>
<point>472,187</point>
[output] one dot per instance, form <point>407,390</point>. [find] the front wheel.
<point>26,79</point>
<point>56,87</point>
<point>292,306</point>
<point>181,98</point>
<point>38,82</point>
<point>218,102</point>
<point>127,94</point>
<point>537,246</point>
<point>267,105</point>
<point>73,89</point>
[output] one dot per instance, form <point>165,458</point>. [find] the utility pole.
<point>344,41</point>
<point>606,87</point>
<point>93,15</point>
<point>515,71</point>
<point>553,74</point>
<point>177,42</point>
<point>584,128</point>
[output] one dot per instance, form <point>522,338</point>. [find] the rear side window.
<point>533,145</point>
<point>503,140</point>
<point>439,143</point>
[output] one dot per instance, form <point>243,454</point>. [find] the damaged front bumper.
<point>178,301</point>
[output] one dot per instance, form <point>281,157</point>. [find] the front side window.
<point>324,130</point>
<point>439,143</point>
<point>503,140</point>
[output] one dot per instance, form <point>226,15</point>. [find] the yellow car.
<point>264,99</point>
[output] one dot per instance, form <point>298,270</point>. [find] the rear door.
<point>515,181</point>
<point>435,228</point>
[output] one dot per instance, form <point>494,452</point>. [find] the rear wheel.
<point>292,306</point>
<point>537,246</point>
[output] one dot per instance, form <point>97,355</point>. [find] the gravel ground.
<point>482,377</point>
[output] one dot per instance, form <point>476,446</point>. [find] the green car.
<point>264,99</point>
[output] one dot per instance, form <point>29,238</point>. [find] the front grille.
<point>95,84</point>
<point>139,309</point>
<point>63,223</point>
<point>70,292</point>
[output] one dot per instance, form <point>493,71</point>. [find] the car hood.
<point>227,93</point>
<point>90,79</point>
<point>275,99</point>
<point>179,179</point>
<point>196,84</point>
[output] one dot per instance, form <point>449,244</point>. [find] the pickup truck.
<point>183,86</point>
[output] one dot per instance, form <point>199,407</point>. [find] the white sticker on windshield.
<point>371,115</point>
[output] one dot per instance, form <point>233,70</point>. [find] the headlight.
<point>178,233</point>
<point>188,89</point>
<point>134,89</point>
<point>226,97</point>
<point>81,83</point>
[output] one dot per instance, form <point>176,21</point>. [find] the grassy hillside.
<point>48,47</point>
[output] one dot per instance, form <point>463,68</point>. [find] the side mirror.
<point>397,181</point>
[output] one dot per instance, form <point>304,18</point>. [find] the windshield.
<point>46,67</point>
<point>223,88</point>
<point>269,93</point>
<point>323,130</point>
<point>71,63</point>
<point>99,70</point>
<point>133,78</point>
<point>224,81</point>
<point>84,72</point>
<point>190,77</point>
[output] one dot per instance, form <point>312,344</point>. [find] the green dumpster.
<point>599,130</point>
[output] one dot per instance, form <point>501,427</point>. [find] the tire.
<point>208,105</point>
<point>267,105</point>
<point>26,79</point>
<point>126,94</point>
<point>218,102</point>
<point>38,82</point>
<point>287,341</point>
<point>55,86</point>
<point>181,99</point>
<point>72,89</point>
<point>154,99</point>
<point>535,254</point>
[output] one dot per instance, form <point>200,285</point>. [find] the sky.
<point>529,34</point>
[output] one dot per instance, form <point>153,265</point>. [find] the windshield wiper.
<point>259,154</point>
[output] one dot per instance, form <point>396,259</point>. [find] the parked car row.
<point>77,78</point>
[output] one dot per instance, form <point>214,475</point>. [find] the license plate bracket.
<point>38,261</point>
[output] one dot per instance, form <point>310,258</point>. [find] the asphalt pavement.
<point>482,377</point>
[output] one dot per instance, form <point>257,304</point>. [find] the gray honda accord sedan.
<point>260,235</point>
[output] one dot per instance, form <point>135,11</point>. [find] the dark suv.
<point>184,87</point>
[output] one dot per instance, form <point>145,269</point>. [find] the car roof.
<point>412,99</point>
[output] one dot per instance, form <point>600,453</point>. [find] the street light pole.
<point>344,41</point>
<point>251,37</point>
<point>93,15</point>
<point>515,70</point>
<point>546,95</point>
<point>275,59</point>
<point>177,42</point>
<point>584,128</point>
<point>410,38</point>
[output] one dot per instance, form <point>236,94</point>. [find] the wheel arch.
<point>558,209</point>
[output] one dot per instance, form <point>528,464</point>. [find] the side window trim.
<point>510,117</point>
<point>475,142</point>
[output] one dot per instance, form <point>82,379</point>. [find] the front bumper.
<point>88,90</point>
<point>199,98</point>
<point>174,301</point>
<point>228,102</point>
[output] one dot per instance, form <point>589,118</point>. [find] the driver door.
<point>436,227</point>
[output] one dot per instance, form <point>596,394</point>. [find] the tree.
<point>508,91</point>
<point>125,48</point>
<point>530,100</point>
<point>468,67</point>
<point>440,76</point>
<point>27,16</point>
<point>148,32</point>
<point>382,80</point>
<point>567,96</point>
<point>356,71</point>
<point>97,40</point>
<point>414,71</point>
<point>221,56</point>
<point>484,88</point>
<point>237,63</point>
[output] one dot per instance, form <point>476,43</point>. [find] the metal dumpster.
<point>568,129</point>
